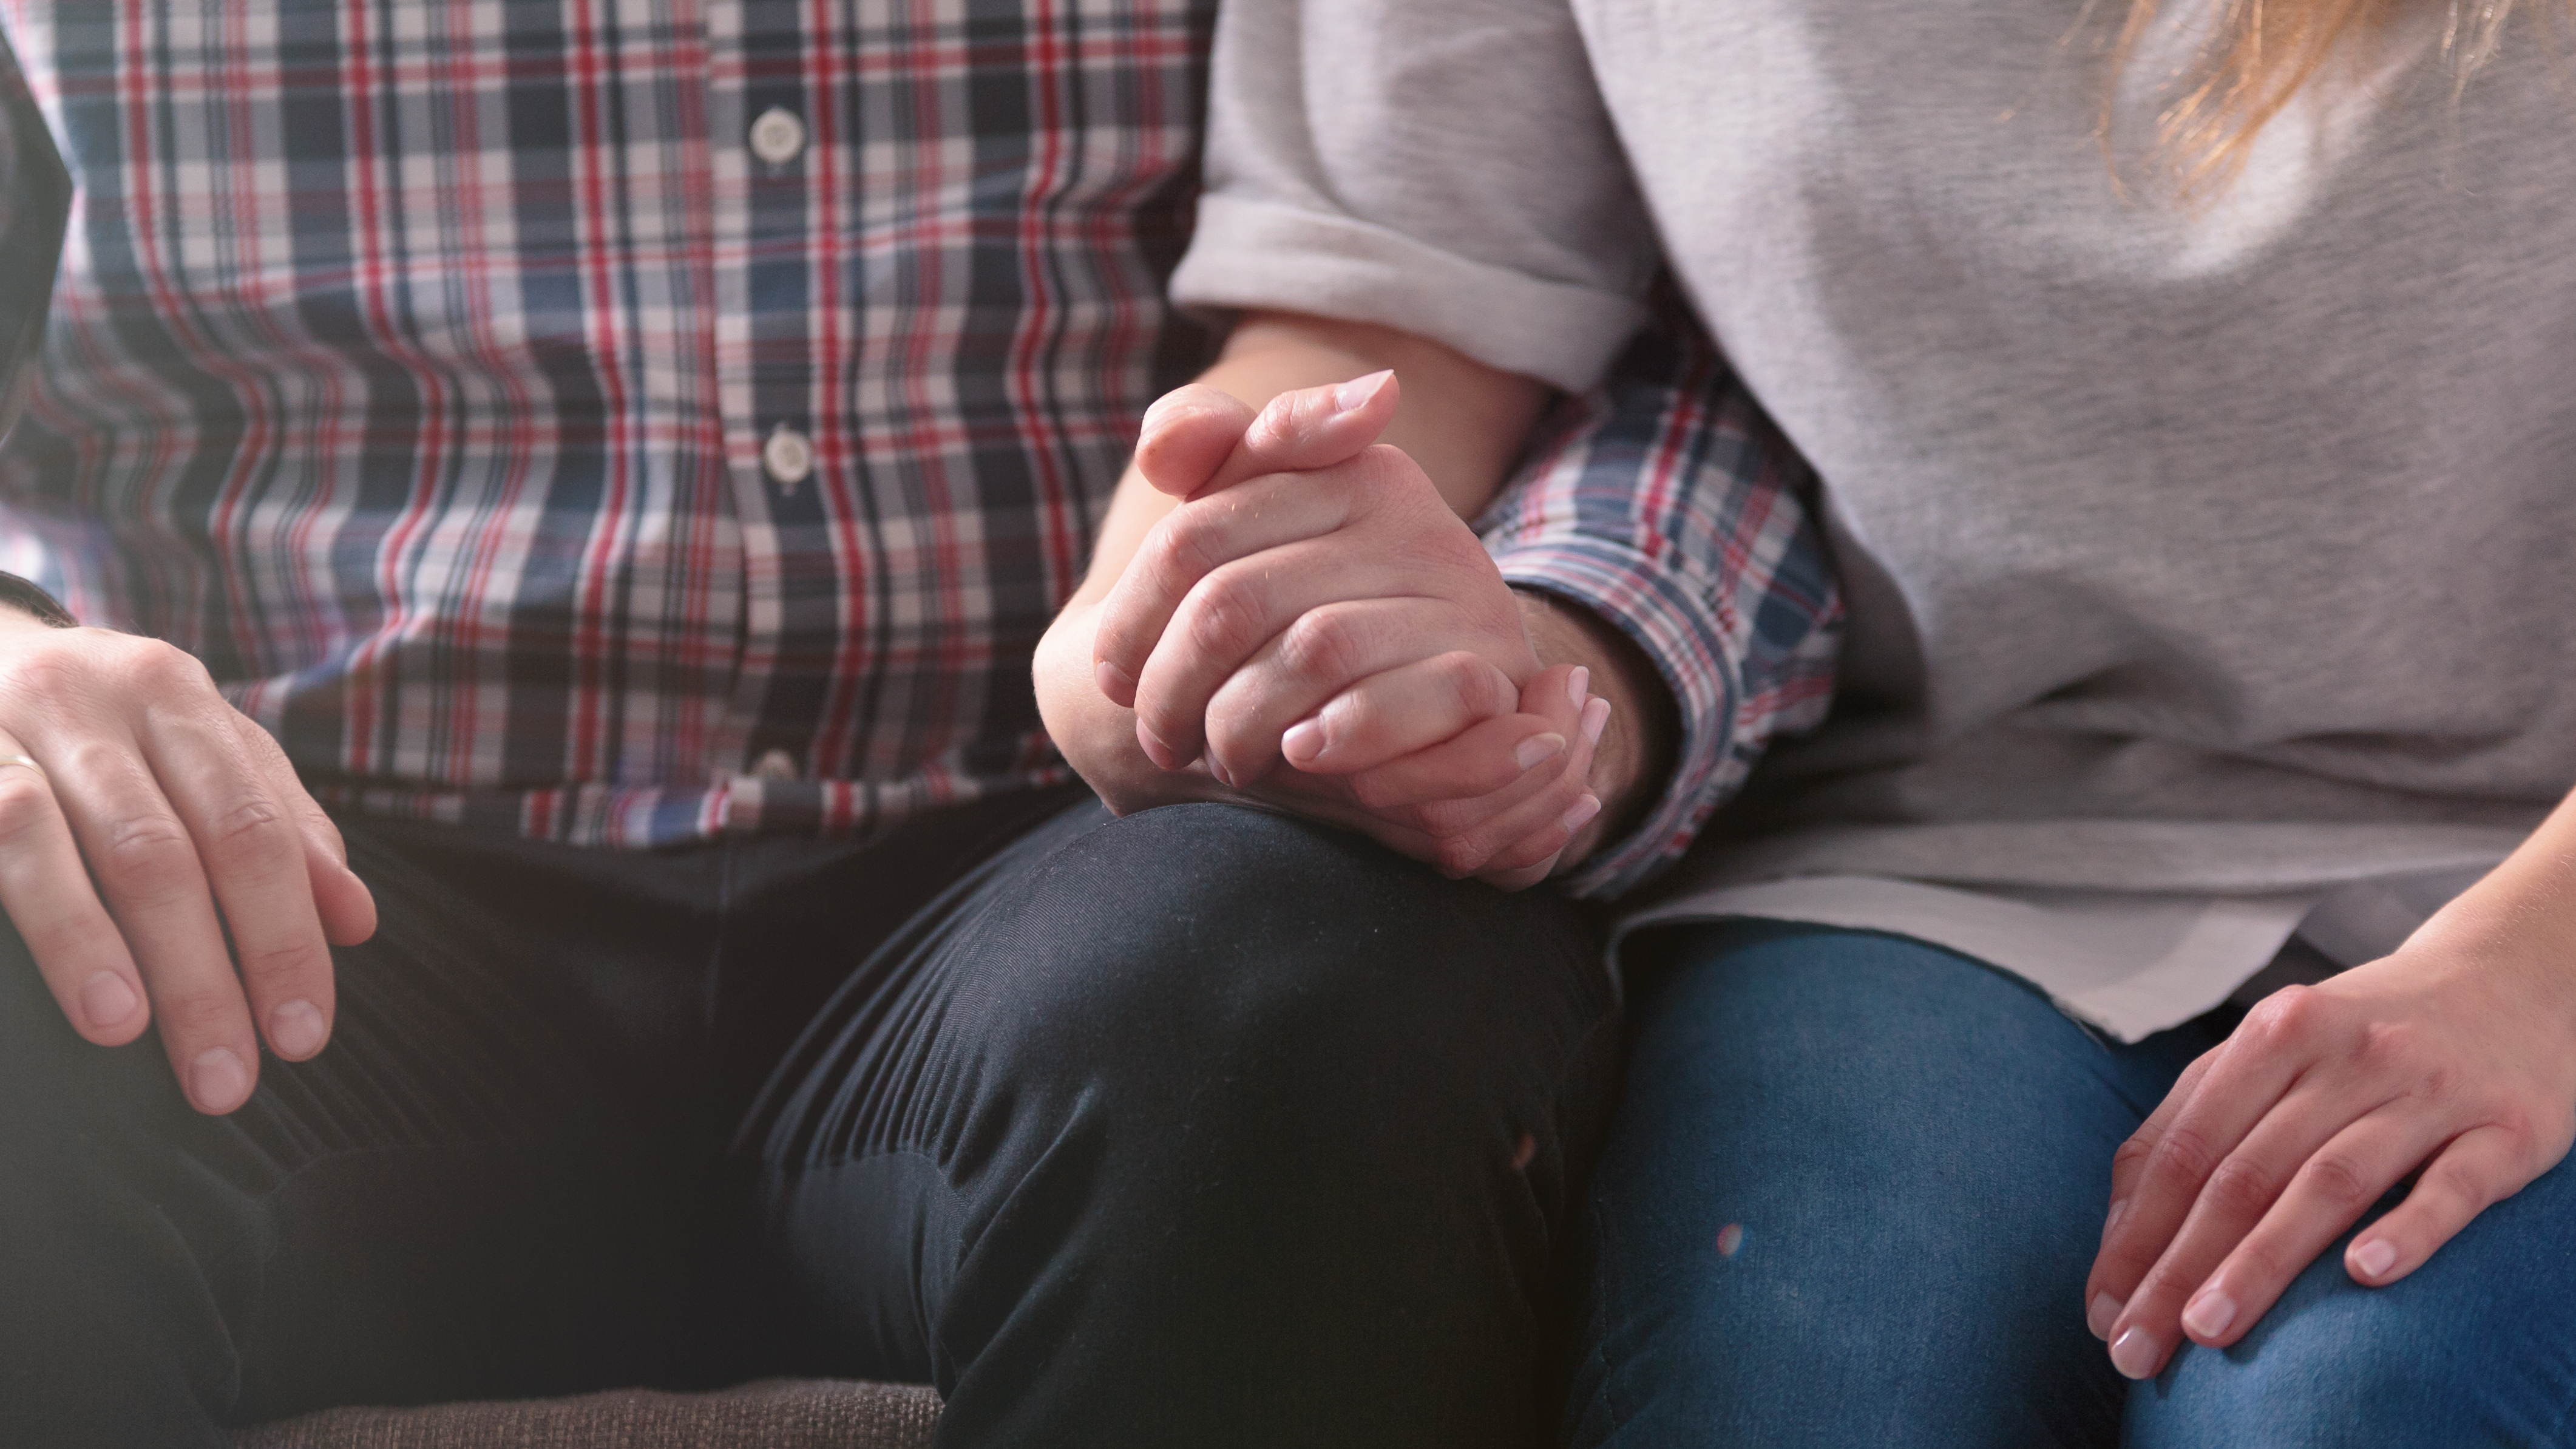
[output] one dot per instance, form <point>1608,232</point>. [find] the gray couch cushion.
<point>772,1414</point>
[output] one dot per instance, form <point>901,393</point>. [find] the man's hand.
<point>191,823</point>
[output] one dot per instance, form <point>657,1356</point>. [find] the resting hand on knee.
<point>143,820</point>
<point>2456,1055</point>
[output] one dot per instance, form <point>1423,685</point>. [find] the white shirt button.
<point>778,136</point>
<point>788,457</point>
<point>776,765</point>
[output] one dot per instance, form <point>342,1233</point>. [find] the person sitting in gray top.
<point>2190,388</point>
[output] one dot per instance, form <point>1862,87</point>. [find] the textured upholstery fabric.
<point>772,1414</point>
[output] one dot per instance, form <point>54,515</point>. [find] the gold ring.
<point>27,762</point>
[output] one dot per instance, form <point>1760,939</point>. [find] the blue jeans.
<point>1854,1190</point>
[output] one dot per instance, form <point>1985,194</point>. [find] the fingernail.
<point>1303,742</point>
<point>2375,1257</point>
<point>2111,1222</point>
<point>2134,1354</point>
<point>106,999</point>
<point>217,1081</point>
<point>2104,1312</point>
<point>1537,748</point>
<point>1216,767</point>
<point>1582,813</point>
<point>1596,717</point>
<point>296,1030</point>
<point>1152,744</point>
<point>1578,686</point>
<point>2209,1314</point>
<point>1113,682</point>
<point>1355,394</point>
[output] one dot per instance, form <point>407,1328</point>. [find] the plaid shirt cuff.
<point>1664,501</point>
<point>1680,632</point>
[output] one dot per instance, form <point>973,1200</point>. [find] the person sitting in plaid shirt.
<point>561,501</point>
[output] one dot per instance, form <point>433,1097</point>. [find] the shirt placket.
<point>758,119</point>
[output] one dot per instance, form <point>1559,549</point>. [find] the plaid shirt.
<point>640,421</point>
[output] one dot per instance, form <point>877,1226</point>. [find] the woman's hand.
<point>1312,595</point>
<point>154,794</point>
<point>2456,1055</point>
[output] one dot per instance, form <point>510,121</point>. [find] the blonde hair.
<point>2258,56</point>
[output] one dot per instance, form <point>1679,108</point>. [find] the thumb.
<point>1198,440</point>
<point>1187,435</point>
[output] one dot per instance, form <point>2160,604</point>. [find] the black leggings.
<point>1206,1126</point>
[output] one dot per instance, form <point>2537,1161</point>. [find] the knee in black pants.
<point>1302,1111</point>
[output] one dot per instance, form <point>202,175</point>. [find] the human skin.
<point>2455,1054</point>
<point>161,818</point>
<point>1300,620</point>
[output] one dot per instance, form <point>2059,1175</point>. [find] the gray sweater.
<point>2203,549</point>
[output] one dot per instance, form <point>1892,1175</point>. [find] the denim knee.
<point>2477,1347</point>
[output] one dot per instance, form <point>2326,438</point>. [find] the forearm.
<point>2510,929</point>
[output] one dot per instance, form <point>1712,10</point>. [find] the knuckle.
<point>1322,646</point>
<point>47,672</point>
<point>1459,854</point>
<point>2455,1179</point>
<point>2336,1181</point>
<point>2169,1279</point>
<point>1184,549</point>
<point>1478,686</point>
<point>154,670</point>
<point>2132,1155</point>
<point>148,857</point>
<point>2285,1018</point>
<point>280,962</point>
<point>2258,1260</point>
<point>255,836</point>
<point>26,809</point>
<point>2184,1153</point>
<point>1224,621</point>
<point>1373,792</point>
<point>2242,1188</point>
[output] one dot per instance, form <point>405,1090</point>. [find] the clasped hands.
<point>1313,628</point>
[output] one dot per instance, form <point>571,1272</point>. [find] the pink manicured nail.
<point>2209,1314</point>
<point>1578,686</point>
<point>1596,717</point>
<point>2134,1354</point>
<point>2104,1312</point>
<point>1537,748</point>
<point>2375,1258</point>
<point>1114,683</point>
<point>1582,813</point>
<point>1303,742</point>
<point>105,998</point>
<point>296,1029</point>
<point>1353,395</point>
<point>217,1081</point>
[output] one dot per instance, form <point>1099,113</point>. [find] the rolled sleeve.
<point>1667,504</point>
<point>1441,166</point>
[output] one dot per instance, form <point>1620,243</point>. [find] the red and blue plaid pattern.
<point>412,363</point>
